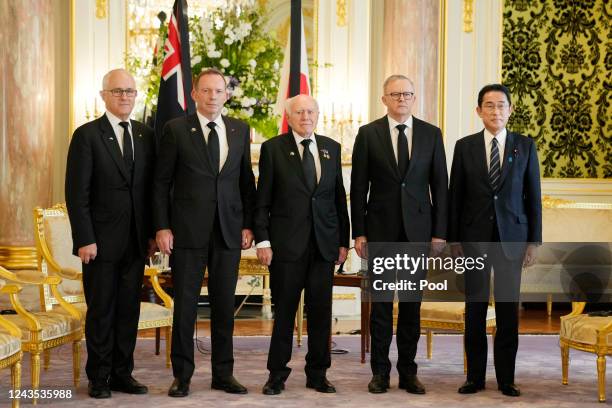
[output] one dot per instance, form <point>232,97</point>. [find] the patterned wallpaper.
<point>557,62</point>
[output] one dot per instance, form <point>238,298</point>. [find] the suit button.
<point>491,217</point>
<point>314,199</point>
<point>495,197</point>
<point>403,184</point>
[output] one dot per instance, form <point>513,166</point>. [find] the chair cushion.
<point>583,328</point>
<point>53,325</point>
<point>150,312</point>
<point>452,312</point>
<point>58,235</point>
<point>9,345</point>
<point>80,306</point>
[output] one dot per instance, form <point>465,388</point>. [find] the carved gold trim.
<point>550,202</point>
<point>468,16</point>
<point>341,12</point>
<point>344,296</point>
<point>18,257</point>
<point>101,9</point>
<point>9,361</point>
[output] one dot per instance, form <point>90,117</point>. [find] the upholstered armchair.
<point>592,334</point>
<point>54,245</point>
<point>42,331</point>
<point>10,348</point>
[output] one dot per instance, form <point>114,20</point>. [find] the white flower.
<point>228,41</point>
<point>224,63</point>
<point>252,63</point>
<point>214,54</point>
<point>224,111</point>
<point>275,66</point>
<point>218,23</point>
<point>247,112</point>
<point>196,60</point>
<point>246,102</point>
<point>238,92</point>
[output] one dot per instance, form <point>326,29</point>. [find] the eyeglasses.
<point>397,95</point>
<point>491,107</point>
<point>118,92</point>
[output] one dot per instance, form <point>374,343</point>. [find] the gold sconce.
<point>101,9</point>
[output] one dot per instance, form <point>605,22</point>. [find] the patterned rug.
<point>538,375</point>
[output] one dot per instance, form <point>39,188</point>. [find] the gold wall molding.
<point>468,16</point>
<point>341,11</point>
<point>344,296</point>
<point>18,257</point>
<point>101,9</point>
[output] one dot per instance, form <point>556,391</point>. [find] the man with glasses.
<point>494,198</point>
<point>204,196</point>
<point>108,185</point>
<point>398,194</point>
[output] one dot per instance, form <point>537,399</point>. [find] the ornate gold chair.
<point>42,331</point>
<point>448,316</point>
<point>10,349</point>
<point>54,245</point>
<point>592,334</point>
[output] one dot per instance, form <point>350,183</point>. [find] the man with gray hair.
<point>108,196</point>
<point>301,230</point>
<point>399,189</point>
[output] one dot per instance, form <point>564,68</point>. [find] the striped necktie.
<point>494,168</point>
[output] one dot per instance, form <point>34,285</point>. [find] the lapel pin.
<point>325,153</point>
<point>140,135</point>
<point>510,159</point>
<point>110,138</point>
<point>193,129</point>
<point>291,154</point>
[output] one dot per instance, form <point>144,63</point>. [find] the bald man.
<point>108,185</point>
<point>301,229</point>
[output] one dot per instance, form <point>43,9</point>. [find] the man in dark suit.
<point>205,160</point>
<point>108,187</point>
<point>302,229</point>
<point>399,160</point>
<point>495,198</point>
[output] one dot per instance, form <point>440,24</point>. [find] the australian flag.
<point>174,97</point>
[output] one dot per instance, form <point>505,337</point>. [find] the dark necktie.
<point>213,146</point>
<point>310,172</point>
<point>128,152</point>
<point>403,158</point>
<point>494,169</point>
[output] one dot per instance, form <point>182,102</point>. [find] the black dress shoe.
<point>510,390</point>
<point>179,388</point>
<point>128,385</point>
<point>412,384</point>
<point>228,384</point>
<point>98,389</point>
<point>321,385</point>
<point>273,386</point>
<point>471,387</point>
<point>378,384</point>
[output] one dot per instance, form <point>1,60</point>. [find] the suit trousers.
<point>112,292</point>
<point>188,267</point>
<point>314,275</point>
<point>407,334</point>
<point>507,274</point>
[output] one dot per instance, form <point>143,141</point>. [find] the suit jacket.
<point>188,192</point>
<point>101,197</point>
<point>516,206</point>
<point>287,212</point>
<point>415,201</point>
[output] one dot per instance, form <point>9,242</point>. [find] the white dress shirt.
<point>220,128</point>
<point>114,121</point>
<point>313,149</point>
<point>395,134</point>
<point>501,145</point>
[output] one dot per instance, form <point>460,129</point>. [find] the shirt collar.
<point>393,123</point>
<point>299,139</point>
<point>114,121</point>
<point>204,121</point>
<point>501,137</point>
